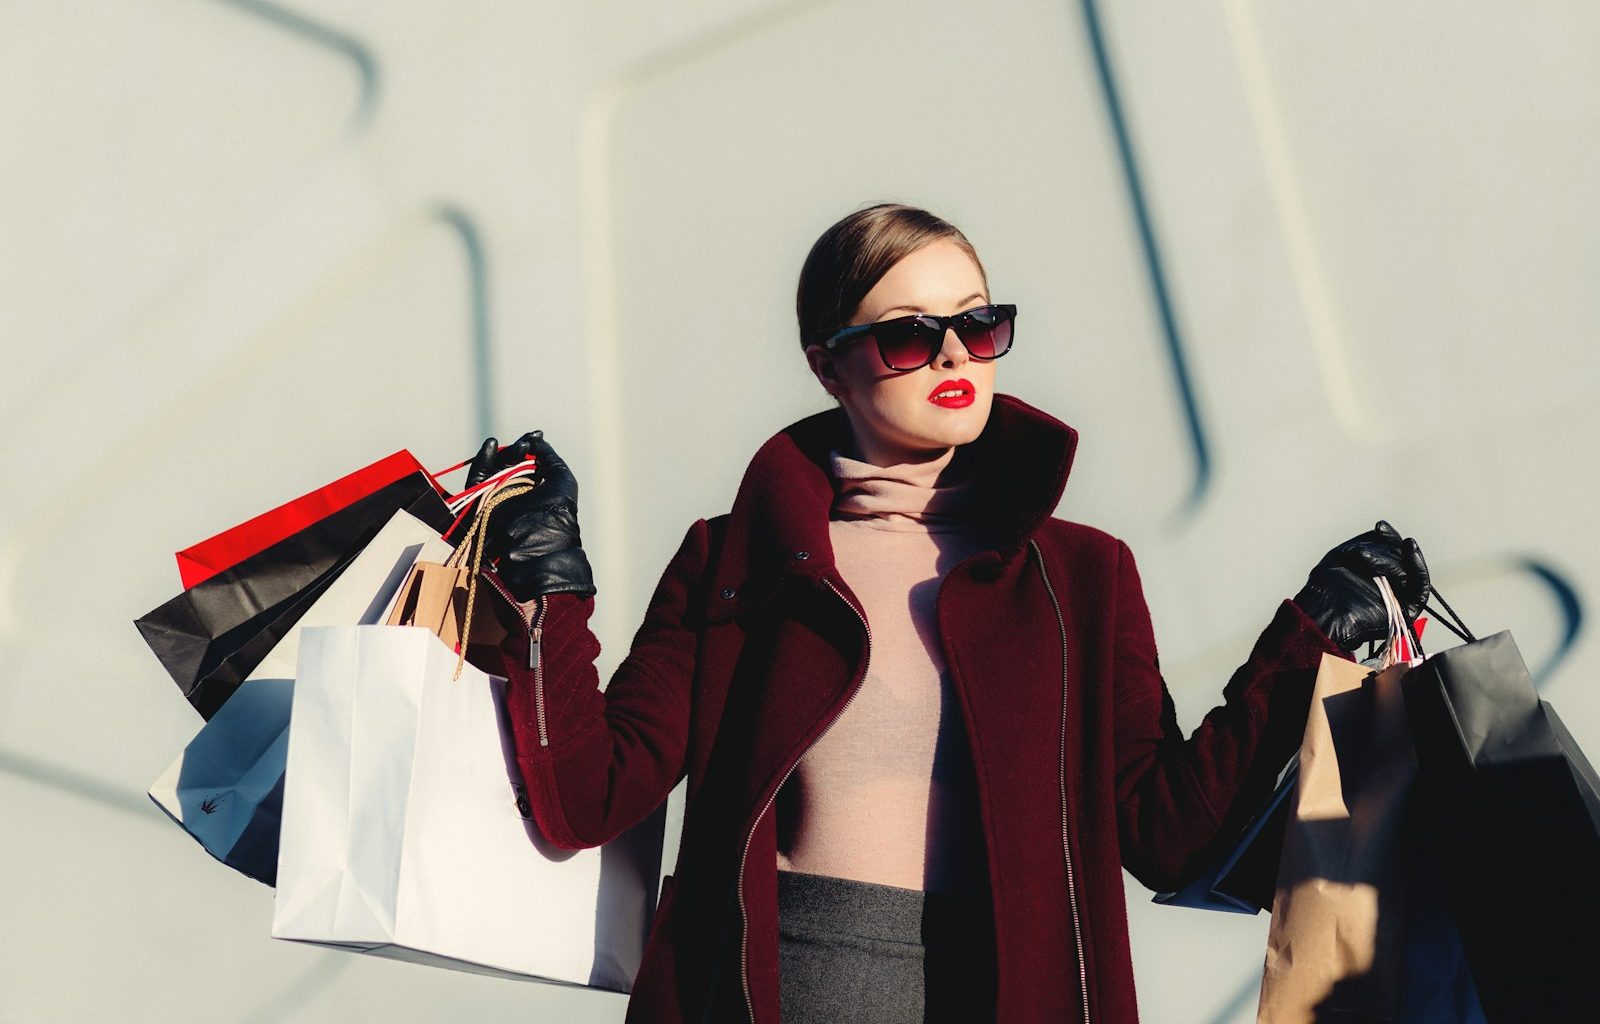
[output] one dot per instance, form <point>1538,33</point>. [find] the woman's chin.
<point>926,432</point>
<point>952,432</point>
<point>959,426</point>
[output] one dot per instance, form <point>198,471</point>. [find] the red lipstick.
<point>967,394</point>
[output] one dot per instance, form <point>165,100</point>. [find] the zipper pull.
<point>534,636</point>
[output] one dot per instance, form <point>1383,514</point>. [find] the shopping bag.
<point>1336,940</point>
<point>201,561</point>
<point>1436,985</point>
<point>226,788</point>
<point>1241,878</point>
<point>1515,805</point>
<point>210,636</point>
<point>401,837</point>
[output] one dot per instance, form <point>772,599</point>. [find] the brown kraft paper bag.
<point>1336,942</point>
<point>445,599</point>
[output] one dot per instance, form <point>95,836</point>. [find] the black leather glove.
<point>1340,597</point>
<point>535,535</point>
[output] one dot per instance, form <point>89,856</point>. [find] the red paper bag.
<point>227,549</point>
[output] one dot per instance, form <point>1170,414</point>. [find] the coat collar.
<point>778,526</point>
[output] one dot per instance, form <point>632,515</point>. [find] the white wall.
<point>246,247</point>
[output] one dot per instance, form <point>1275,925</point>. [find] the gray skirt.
<point>856,951</point>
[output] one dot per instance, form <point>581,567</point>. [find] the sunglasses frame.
<point>847,335</point>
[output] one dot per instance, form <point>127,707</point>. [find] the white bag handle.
<point>1401,646</point>
<point>460,501</point>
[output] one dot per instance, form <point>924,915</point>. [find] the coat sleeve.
<point>595,763</point>
<point>1174,794</point>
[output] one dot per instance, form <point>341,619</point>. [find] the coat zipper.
<point>1066,845</point>
<point>535,624</point>
<point>535,634</point>
<point>744,921</point>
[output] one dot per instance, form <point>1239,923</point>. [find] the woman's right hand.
<point>535,534</point>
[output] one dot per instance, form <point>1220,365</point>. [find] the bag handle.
<point>1463,632</point>
<point>461,503</point>
<point>1392,605</point>
<point>459,500</point>
<point>471,549</point>
<point>527,467</point>
<point>1402,645</point>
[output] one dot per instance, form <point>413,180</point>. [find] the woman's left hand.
<point>1340,597</point>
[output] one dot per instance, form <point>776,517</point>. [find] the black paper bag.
<point>1242,877</point>
<point>1515,807</point>
<point>210,636</point>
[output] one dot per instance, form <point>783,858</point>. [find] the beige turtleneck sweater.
<point>886,795</point>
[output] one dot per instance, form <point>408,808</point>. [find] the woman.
<point>921,719</point>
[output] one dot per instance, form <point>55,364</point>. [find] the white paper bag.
<point>401,835</point>
<point>225,789</point>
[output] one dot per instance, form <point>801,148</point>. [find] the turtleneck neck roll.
<point>939,495</point>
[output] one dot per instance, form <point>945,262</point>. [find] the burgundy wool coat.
<point>752,645</point>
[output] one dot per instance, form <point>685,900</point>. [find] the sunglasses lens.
<point>986,332</point>
<point>907,344</point>
<point>911,343</point>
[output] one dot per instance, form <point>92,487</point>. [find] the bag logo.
<point>210,804</point>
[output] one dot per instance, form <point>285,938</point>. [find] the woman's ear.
<point>825,369</point>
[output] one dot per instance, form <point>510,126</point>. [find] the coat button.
<point>801,556</point>
<point>727,593</point>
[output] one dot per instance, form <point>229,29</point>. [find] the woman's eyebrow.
<point>919,309</point>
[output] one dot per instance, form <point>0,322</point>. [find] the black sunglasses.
<point>912,342</point>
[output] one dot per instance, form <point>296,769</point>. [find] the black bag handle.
<point>1463,632</point>
<point>1457,627</point>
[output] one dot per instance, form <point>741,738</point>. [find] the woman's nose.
<point>954,353</point>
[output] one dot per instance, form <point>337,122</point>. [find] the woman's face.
<point>892,412</point>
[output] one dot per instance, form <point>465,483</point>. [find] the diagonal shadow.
<point>79,784</point>
<point>478,291</point>
<point>1571,613</point>
<point>1152,261</point>
<point>329,38</point>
